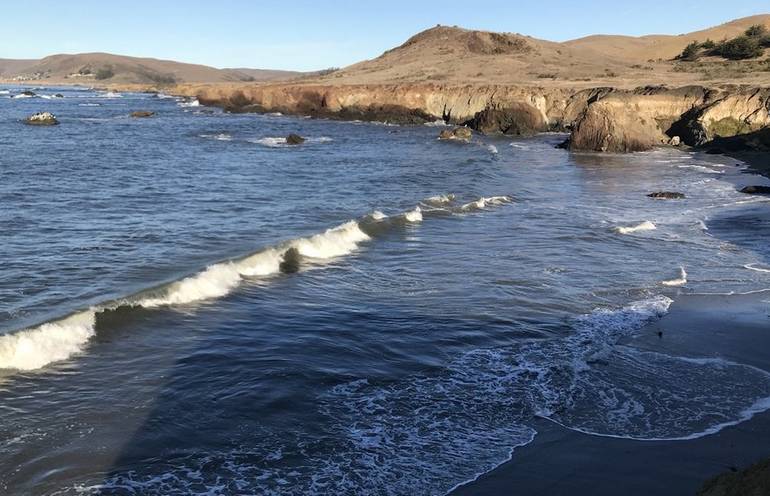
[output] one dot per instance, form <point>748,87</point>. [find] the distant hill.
<point>455,55</point>
<point>655,47</point>
<point>109,68</point>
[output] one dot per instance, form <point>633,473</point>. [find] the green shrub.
<point>765,41</point>
<point>756,31</point>
<point>708,45</point>
<point>691,52</point>
<point>104,73</point>
<point>739,48</point>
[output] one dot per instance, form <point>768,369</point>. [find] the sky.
<point>310,35</point>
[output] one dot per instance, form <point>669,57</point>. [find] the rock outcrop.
<point>638,120</point>
<point>667,195</point>
<point>294,139</point>
<point>142,114</point>
<point>42,119</point>
<point>517,119</point>
<point>756,190</point>
<point>456,134</point>
<point>601,118</point>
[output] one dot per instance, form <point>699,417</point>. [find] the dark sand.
<point>563,462</point>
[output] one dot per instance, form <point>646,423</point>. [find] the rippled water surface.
<point>190,306</point>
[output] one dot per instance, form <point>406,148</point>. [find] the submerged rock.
<point>456,134</point>
<point>667,195</point>
<point>294,139</point>
<point>142,113</point>
<point>42,119</point>
<point>28,93</point>
<point>756,190</point>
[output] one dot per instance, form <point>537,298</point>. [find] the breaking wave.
<point>644,226</point>
<point>679,281</point>
<point>218,137</point>
<point>189,103</point>
<point>757,267</point>
<point>36,347</point>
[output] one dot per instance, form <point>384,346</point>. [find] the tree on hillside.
<point>756,31</point>
<point>708,44</point>
<point>691,52</point>
<point>740,48</point>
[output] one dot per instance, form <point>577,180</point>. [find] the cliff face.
<point>638,120</point>
<point>601,119</point>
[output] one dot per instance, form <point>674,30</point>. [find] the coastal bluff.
<point>603,119</point>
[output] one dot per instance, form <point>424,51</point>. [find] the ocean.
<point>188,305</point>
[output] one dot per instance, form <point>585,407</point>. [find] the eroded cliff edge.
<point>600,119</point>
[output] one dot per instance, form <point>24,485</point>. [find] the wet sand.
<point>564,462</point>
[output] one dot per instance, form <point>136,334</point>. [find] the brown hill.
<point>454,55</point>
<point>13,67</point>
<point>120,69</point>
<point>666,47</point>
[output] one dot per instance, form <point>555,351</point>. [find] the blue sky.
<point>306,35</point>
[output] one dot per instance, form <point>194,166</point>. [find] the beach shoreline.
<point>561,461</point>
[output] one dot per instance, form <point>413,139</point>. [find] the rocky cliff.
<point>601,119</point>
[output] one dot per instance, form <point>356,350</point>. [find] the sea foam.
<point>644,226</point>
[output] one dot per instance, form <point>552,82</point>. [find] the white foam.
<point>190,103</point>
<point>36,347</point>
<point>5,92</point>
<point>112,94</point>
<point>492,149</point>
<point>414,216</point>
<point>701,169</point>
<point>264,263</point>
<point>89,104</point>
<point>218,137</point>
<point>214,282</point>
<point>335,242</point>
<point>270,142</point>
<point>276,142</point>
<point>756,267</point>
<point>377,215</point>
<point>644,226</point>
<point>437,123</point>
<point>22,95</point>
<point>440,200</point>
<point>483,202</point>
<point>680,281</point>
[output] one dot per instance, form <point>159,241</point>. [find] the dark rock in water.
<point>142,113</point>
<point>456,134</point>
<point>715,151</point>
<point>290,262</point>
<point>42,119</point>
<point>756,190</point>
<point>28,93</point>
<point>515,120</point>
<point>667,195</point>
<point>58,95</point>
<point>564,145</point>
<point>294,139</point>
